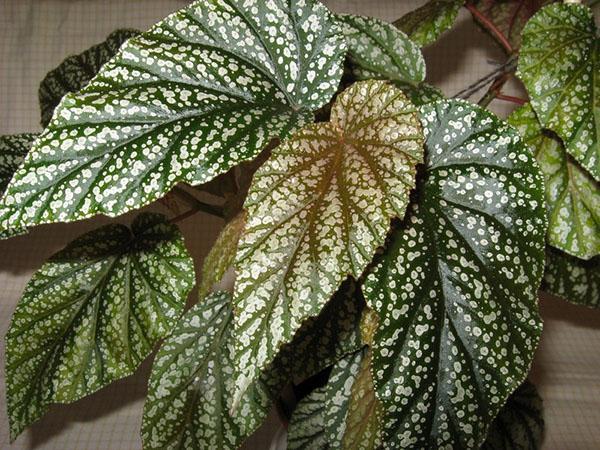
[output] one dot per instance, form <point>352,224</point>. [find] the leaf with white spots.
<point>520,424</point>
<point>456,289</point>
<point>572,279</point>
<point>306,430</point>
<point>317,211</point>
<point>425,24</point>
<point>201,91</point>
<point>572,195</point>
<point>221,255</point>
<point>559,64</point>
<point>93,313</point>
<point>77,70</point>
<point>422,94</point>
<point>378,48</point>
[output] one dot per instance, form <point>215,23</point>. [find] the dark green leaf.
<point>424,25</point>
<point>92,313</point>
<point>317,211</point>
<point>559,64</point>
<point>201,91</point>
<point>572,195</point>
<point>421,94</point>
<point>77,70</point>
<point>307,428</point>
<point>456,290</point>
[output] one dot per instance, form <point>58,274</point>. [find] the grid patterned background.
<point>35,36</point>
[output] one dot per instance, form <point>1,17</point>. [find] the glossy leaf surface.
<point>92,313</point>
<point>456,290</point>
<point>317,211</point>
<point>425,24</point>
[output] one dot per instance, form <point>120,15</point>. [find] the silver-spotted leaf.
<point>317,211</point>
<point>422,94</point>
<point>306,430</point>
<point>572,279</point>
<point>92,313</point>
<point>76,71</point>
<point>221,255</point>
<point>559,64</point>
<point>201,91</point>
<point>572,195</point>
<point>425,24</point>
<point>456,290</point>
<point>379,50</point>
<point>520,424</point>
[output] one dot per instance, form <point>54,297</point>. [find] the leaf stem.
<point>510,98</point>
<point>508,67</point>
<point>490,27</point>
<point>196,205</point>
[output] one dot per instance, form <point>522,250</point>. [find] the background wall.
<point>35,36</point>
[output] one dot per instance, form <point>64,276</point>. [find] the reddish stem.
<point>489,25</point>
<point>510,98</point>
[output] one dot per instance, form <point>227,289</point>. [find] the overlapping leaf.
<point>572,195</point>
<point>92,313</point>
<point>560,66</point>
<point>317,211</point>
<point>572,279</point>
<point>201,91</point>
<point>306,430</point>
<point>456,290</point>
<point>77,70</point>
<point>424,25</point>
<point>520,424</point>
<point>378,50</point>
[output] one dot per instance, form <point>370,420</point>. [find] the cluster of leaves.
<point>398,243</point>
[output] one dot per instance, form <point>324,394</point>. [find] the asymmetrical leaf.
<point>456,290</point>
<point>559,64</point>
<point>424,25</point>
<point>317,211</point>
<point>76,71</point>
<point>572,279</point>
<point>92,313</point>
<point>572,195</point>
<point>520,424</point>
<point>378,50</point>
<point>221,255</point>
<point>201,91</point>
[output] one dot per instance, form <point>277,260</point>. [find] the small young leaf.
<point>422,94</point>
<point>378,50</point>
<point>92,313</point>
<point>456,290</point>
<point>424,25</point>
<point>317,211</point>
<point>572,195</point>
<point>520,424</point>
<point>77,70</point>
<point>221,255</point>
<point>201,91</point>
<point>572,279</point>
<point>559,64</point>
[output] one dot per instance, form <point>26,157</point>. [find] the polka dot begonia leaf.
<point>422,94</point>
<point>92,313</point>
<point>317,211</point>
<point>572,195</point>
<point>520,424</point>
<point>572,279</point>
<point>201,91</point>
<point>378,49</point>
<point>76,71</point>
<point>306,430</point>
<point>425,24</point>
<point>456,289</point>
<point>559,64</point>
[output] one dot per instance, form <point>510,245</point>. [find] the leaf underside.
<point>201,91</point>
<point>572,195</point>
<point>559,64</point>
<point>424,25</point>
<point>456,290</point>
<point>92,313</point>
<point>317,211</point>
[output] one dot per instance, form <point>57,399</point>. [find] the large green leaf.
<point>92,313</point>
<point>572,279</point>
<point>317,211</point>
<point>201,91</point>
<point>560,66</point>
<point>456,289</point>
<point>379,50</point>
<point>572,195</point>
<point>520,424</point>
<point>76,71</point>
<point>424,25</point>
